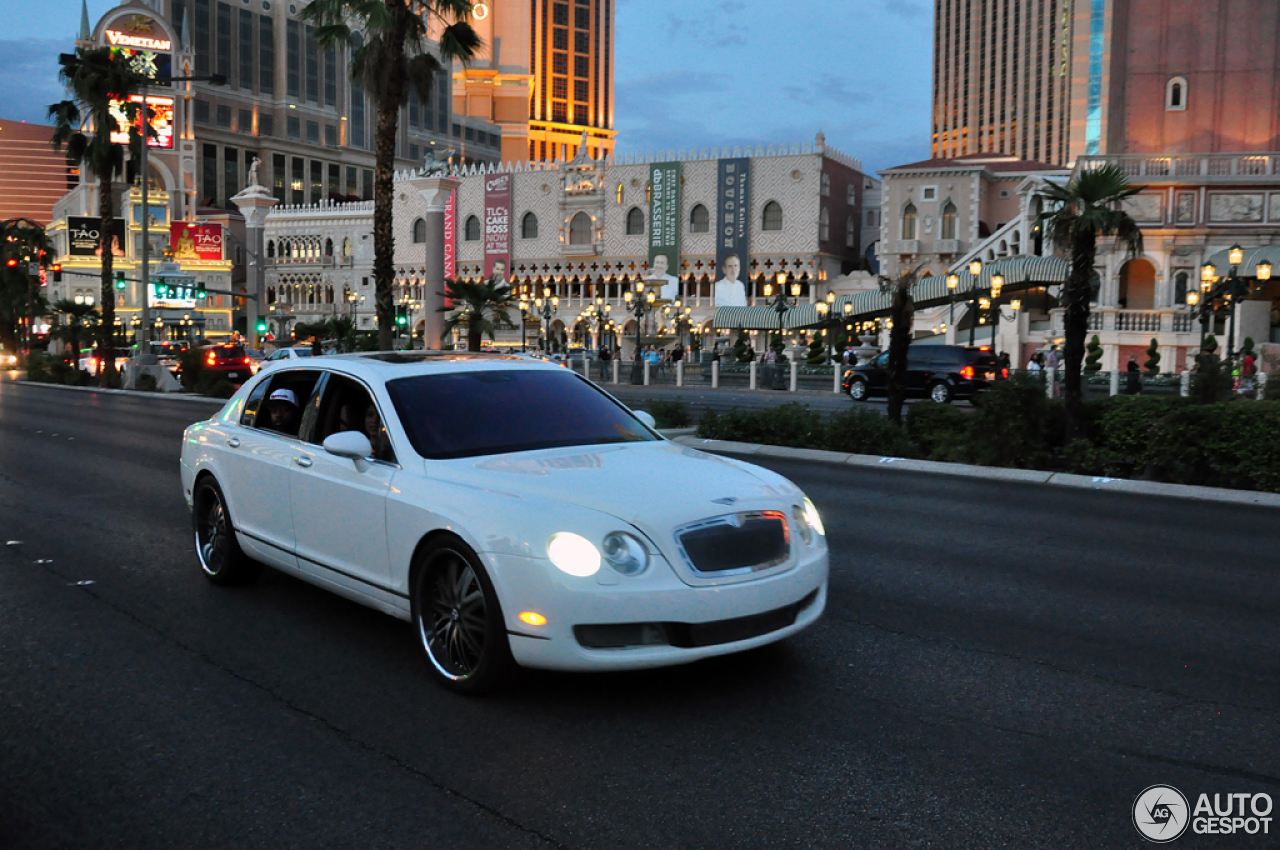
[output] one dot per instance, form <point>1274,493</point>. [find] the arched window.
<point>419,231</point>
<point>472,229</point>
<point>1180,289</point>
<point>635,222</point>
<point>346,247</point>
<point>328,245</point>
<point>529,226</point>
<point>850,231</point>
<point>909,222</point>
<point>580,229</point>
<point>271,248</point>
<point>824,226</point>
<point>699,219</point>
<point>772,218</point>
<point>1175,94</point>
<point>826,185</point>
<point>949,221</point>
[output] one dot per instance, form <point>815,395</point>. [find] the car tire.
<point>940,391</point>
<point>458,620</point>
<point>858,390</point>
<point>219,553</point>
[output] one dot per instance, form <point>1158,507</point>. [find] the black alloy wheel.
<point>219,553</point>
<point>458,620</point>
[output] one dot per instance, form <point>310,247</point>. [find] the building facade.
<point>1002,78</point>
<point>545,76</point>
<point>1175,77</point>
<point>33,176</point>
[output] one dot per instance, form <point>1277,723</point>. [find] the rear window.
<point>984,358</point>
<point>465,414</point>
<point>229,350</point>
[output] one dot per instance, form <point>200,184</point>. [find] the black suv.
<point>938,372</point>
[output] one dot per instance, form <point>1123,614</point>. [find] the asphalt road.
<point>1000,666</point>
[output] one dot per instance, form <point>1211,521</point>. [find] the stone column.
<point>254,204</point>
<point>435,193</point>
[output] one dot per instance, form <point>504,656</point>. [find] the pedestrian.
<point>715,353</point>
<point>678,354</point>
<point>1033,365</point>
<point>605,354</point>
<point>1053,359</point>
<point>1248,371</point>
<point>1133,380</point>
<point>1005,363</point>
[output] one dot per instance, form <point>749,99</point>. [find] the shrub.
<point>214,385</point>
<point>941,431</point>
<point>1125,431</point>
<point>867,432</point>
<point>670,414</point>
<point>1210,383</point>
<point>817,353</point>
<point>1218,445</point>
<point>792,424</point>
<point>38,367</point>
<point>1093,355</point>
<point>1009,428</point>
<point>1271,388</point>
<point>1153,358</point>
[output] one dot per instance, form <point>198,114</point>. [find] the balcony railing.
<point>1172,320</point>
<point>1233,165</point>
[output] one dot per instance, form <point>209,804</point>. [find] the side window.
<point>253,403</point>
<point>348,406</point>
<point>288,393</point>
<point>882,362</point>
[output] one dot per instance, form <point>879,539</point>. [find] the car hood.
<point>655,486</point>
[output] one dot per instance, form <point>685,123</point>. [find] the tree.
<point>902,311</point>
<point>741,347</point>
<point>343,331</point>
<point>817,349</point>
<point>99,79</point>
<point>389,42</point>
<point>81,321</point>
<point>1153,359</point>
<point>1093,362</point>
<point>22,241</point>
<point>1088,207</point>
<point>481,308</point>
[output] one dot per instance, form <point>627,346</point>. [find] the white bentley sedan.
<point>511,510</point>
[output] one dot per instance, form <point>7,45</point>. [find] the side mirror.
<point>646,417</point>
<point>348,444</point>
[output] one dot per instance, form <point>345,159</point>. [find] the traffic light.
<point>171,291</point>
<point>57,273</point>
<point>12,262</point>
<point>262,326</point>
<point>402,316</point>
<point>119,281</point>
<point>201,292</point>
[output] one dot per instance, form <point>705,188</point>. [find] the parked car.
<point>228,358</point>
<point>284,355</point>
<point>89,361</point>
<point>505,507</point>
<point>937,372</point>
<point>8,360</point>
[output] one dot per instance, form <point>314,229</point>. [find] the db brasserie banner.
<point>497,224</point>
<point>664,216</point>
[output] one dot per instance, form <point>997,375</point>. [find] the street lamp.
<point>545,308</point>
<point>781,304</point>
<point>642,304</point>
<point>1227,292</point>
<point>953,283</point>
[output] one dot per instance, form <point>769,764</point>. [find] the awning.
<point>1252,256</point>
<point>1020,273</point>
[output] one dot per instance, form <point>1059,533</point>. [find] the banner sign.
<point>83,237</point>
<point>161,121</point>
<point>451,236</point>
<point>195,241</point>
<point>180,294</point>
<point>497,225</point>
<point>733,231</point>
<point>664,226</point>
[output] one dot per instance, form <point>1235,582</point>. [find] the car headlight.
<point>811,514</point>
<point>573,554</point>
<point>625,553</point>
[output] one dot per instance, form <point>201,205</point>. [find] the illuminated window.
<point>949,221</point>
<point>909,222</point>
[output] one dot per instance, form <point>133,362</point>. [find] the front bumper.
<point>717,613</point>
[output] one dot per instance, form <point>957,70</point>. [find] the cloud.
<point>827,88</point>
<point>29,79</point>
<point>904,8</point>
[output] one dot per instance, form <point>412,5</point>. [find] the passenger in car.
<point>282,405</point>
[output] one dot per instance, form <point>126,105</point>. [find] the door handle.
<point>304,462</point>
<point>234,443</point>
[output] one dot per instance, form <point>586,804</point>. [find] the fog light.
<point>533,618</point>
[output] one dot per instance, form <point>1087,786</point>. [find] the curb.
<point>1022,476</point>
<point>135,393</point>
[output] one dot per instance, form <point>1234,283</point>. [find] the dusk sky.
<point>690,74</point>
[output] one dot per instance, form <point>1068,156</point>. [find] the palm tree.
<point>1088,207</point>
<point>389,44</point>
<point>96,79</point>
<point>902,310</point>
<point>81,320</point>
<point>343,331</point>
<point>22,241</point>
<point>479,307</point>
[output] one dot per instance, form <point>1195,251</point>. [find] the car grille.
<point>742,542</point>
<point>691,635</point>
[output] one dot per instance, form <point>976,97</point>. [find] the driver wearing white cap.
<point>285,415</point>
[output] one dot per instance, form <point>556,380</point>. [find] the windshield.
<point>465,414</point>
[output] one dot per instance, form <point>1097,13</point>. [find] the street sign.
<point>33,269</point>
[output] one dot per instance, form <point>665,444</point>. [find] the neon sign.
<point>120,39</point>
<point>161,121</point>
